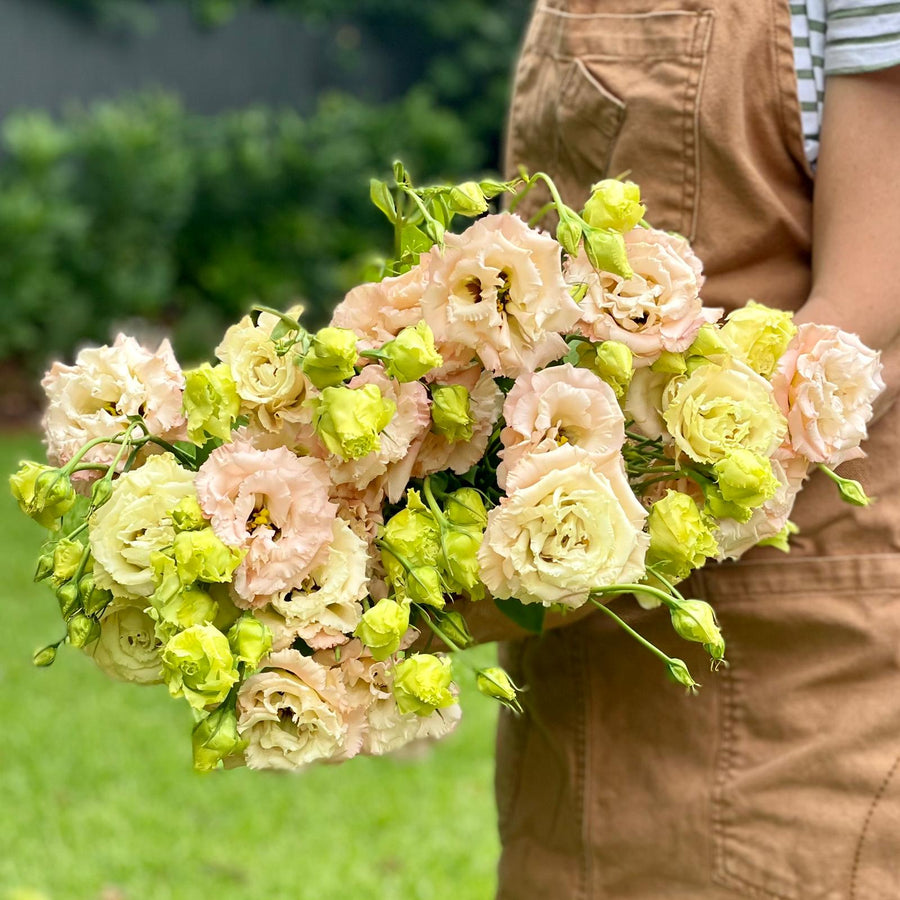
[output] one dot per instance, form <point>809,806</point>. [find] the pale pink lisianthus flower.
<point>498,289</point>
<point>825,384</point>
<point>435,453</point>
<point>273,504</point>
<point>559,405</point>
<point>570,523</point>
<point>295,712</point>
<point>95,396</point>
<point>411,419</point>
<point>657,309</point>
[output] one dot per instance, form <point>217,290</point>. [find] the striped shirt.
<point>838,37</point>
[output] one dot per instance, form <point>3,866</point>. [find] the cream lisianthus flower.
<point>658,308</point>
<point>295,712</point>
<point>560,405</point>
<point>720,407</point>
<point>95,397</point>
<point>327,605</point>
<point>272,388</point>
<point>274,505</point>
<point>498,289</point>
<point>135,523</point>
<point>570,524</point>
<point>825,384</point>
<point>128,648</point>
<point>644,402</point>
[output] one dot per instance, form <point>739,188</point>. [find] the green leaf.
<point>381,196</point>
<point>529,616</point>
<point>414,240</point>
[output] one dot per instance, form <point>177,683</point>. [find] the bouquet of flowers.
<point>500,417</point>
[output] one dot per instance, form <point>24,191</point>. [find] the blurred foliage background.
<point>135,212</point>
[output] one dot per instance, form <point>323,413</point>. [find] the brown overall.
<point>781,780</point>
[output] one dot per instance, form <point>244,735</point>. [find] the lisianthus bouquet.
<point>289,538</point>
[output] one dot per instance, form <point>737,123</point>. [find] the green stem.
<point>636,589</point>
<point>439,631</point>
<point>638,637</point>
<point>540,214</point>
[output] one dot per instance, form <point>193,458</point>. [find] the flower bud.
<point>211,402</point>
<point>669,363</point>
<point>411,536</point>
<point>758,336</point>
<point>451,415</point>
<point>411,354</point>
<point>349,420</point>
<point>187,515</point>
<point>43,493</point>
<point>465,506</point>
<point>851,491</point>
<point>491,189</point>
<point>46,656</point>
<point>495,682</point>
<point>382,627</point>
<point>176,607</point>
<point>745,478</point>
<point>695,620</point>
<point>423,585</point>
<point>468,199</point>
<point>44,567</point>
<point>568,234</point>
<point>614,204</point>
<point>453,624</point>
<point>421,684</point>
<point>781,540</point>
<point>101,492</point>
<point>215,738</point>
<point>82,630</point>
<point>606,252</point>
<point>331,358</point>
<point>611,361</point>
<point>250,640</point>
<point>460,558</point>
<point>69,599</point>
<point>680,674</point>
<point>708,343</point>
<point>67,558</point>
<point>680,540</point>
<point>93,599</point>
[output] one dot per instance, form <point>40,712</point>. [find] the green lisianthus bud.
<point>451,415</point>
<point>680,540</point>
<point>331,358</point>
<point>44,657</point>
<point>606,252</point>
<point>349,420</point>
<point>423,585</point>
<point>422,684</point>
<point>460,546</point>
<point>465,506</point>
<point>411,354</point>
<point>215,738</point>
<point>211,402</point>
<point>759,336</point>
<point>708,343</point>
<point>611,361</point>
<point>250,640</point>
<point>453,624</point>
<point>679,673</point>
<point>44,568</point>
<point>69,599</point>
<point>468,199</point>
<point>93,599</point>
<point>851,491</point>
<point>67,558</point>
<point>695,620</point>
<point>382,627</point>
<point>101,492</point>
<point>745,478</point>
<point>412,535</point>
<point>43,493</point>
<point>491,188</point>
<point>188,516</point>
<point>197,664</point>
<point>781,540</point>
<point>669,363</point>
<point>614,204</point>
<point>176,607</point>
<point>494,682</point>
<point>568,234</point>
<point>201,556</point>
<point>81,630</point>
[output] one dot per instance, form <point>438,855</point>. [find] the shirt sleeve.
<point>861,36</point>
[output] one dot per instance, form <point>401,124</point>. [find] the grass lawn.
<point>98,800</point>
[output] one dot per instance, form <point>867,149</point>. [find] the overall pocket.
<point>605,94</point>
<point>805,785</point>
